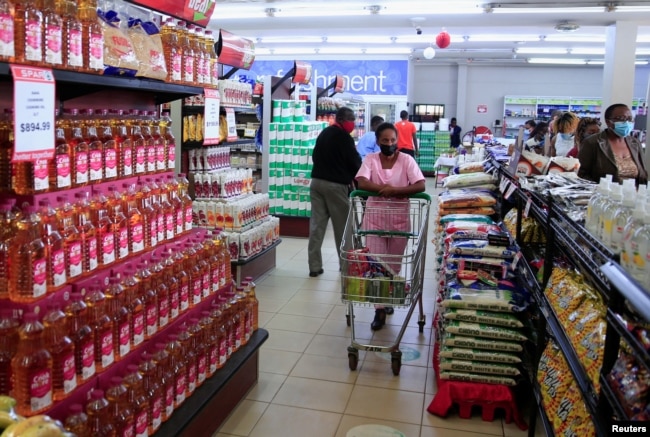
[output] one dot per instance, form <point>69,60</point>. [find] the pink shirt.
<point>405,171</point>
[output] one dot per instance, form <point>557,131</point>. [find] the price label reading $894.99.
<point>34,98</point>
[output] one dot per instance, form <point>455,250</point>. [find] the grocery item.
<point>488,300</point>
<point>479,218</point>
<point>630,382</point>
<point>61,347</point>
<point>8,346</point>
<point>99,417</point>
<point>467,180</point>
<point>479,316</point>
<point>483,330</point>
<point>479,355</point>
<point>457,365</point>
<point>82,336</point>
<point>472,377</point>
<point>554,376</point>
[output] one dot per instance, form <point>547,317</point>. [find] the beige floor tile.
<point>428,431</point>
<point>318,296</point>
<point>311,309</point>
<point>412,335</point>
<point>221,434</point>
<point>275,361</point>
<point>274,292</point>
<point>267,386</point>
<point>263,318</point>
<point>284,421</point>
<point>431,387</point>
<point>242,420</point>
<point>362,315</point>
<point>512,430</point>
<point>380,374</point>
<point>412,354</point>
<point>321,284</point>
<point>331,346</point>
<point>290,270</point>
<point>290,322</point>
<point>452,421</point>
<point>386,404</point>
<point>288,340</point>
<point>338,326</point>
<point>314,394</point>
<point>324,368</point>
<point>294,284</point>
<point>350,422</point>
<point>270,305</point>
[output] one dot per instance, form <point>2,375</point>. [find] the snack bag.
<point>148,48</point>
<point>554,377</point>
<point>119,56</point>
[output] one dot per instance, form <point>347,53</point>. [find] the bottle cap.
<point>131,368</point>
<point>75,408</point>
<point>116,380</point>
<point>30,317</point>
<point>97,394</point>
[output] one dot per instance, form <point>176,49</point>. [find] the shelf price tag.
<point>511,190</point>
<point>527,208</point>
<point>34,95</point>
<point>211,117</point>
<point>232,124</point>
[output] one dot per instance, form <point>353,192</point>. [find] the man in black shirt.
<point>336,162</point>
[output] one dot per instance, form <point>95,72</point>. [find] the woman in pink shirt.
<point>393,175</point>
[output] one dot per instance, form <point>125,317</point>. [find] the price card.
<point>34,95</point>
<point>515,260</point>
<point>232,124</point>
<point>527,208</point>
<point>504,185</point>
<point>211,117</point>
<point>511,190</point>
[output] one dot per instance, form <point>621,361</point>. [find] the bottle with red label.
<point>28,271</point>
<point>138,400</point>
<point>187,51</point>
<point>245,313</point>
<point>173,286</point>
<point>195,273</point>
<point>135,220</point>
<point>29,33</point>
<point>82,336</point>
<point>177,205</point>
<point>149,219</point>
<point>161,289</point>
<point>178,368</point>
<point>32,369</point>
<point>153,391</point>
<point>92,38</point>
<point>95,147</point>
<point>131,287</point>
<point>61,347</point>
<point>173,55</point>
<point>78,147</point>
<point>183,185</point>
<point>138,142</point>
<point>253,302</point>
<point>165,377</point>
<point>190,357</point>
<point>6,149</point>
<point>170,140</point>
<point>159,141</point>
<point>105,228</point>
<point>61,166</point>
<point>8,346</point>
<point>204,264</point>
<point>98,410</point>
<point>236,314</point>
<point>87,233</point>
<point>31,177</point>
<point>159,213</point>
<point>116,300</point>
<point>183,279</point>
<point>149,142</point>
<point>72,243</point>
<point>120,224</point>
<point>7,47</point>
<point>210,341</point>
<point>123,144</point>
<point>8,222</point>
<point>149,299</point>
<point>102,326</point>
<point>199,345</point>
<point>168,211</point>
<point>228,319</point>
<point>220,332</point>
<point>72,35</point>
<point>120,408</point>
<point>77,421</point>
<point>57,272</point>
<point>52,34</point>
<point>111,157</point>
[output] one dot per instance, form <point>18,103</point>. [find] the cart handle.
<point>364,193</point>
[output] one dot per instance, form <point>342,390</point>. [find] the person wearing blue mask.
<point>613,151</point>
<point>565,128</point>
<point>368,142</point>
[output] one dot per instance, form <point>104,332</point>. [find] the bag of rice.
<point>119,56</point>
<point>483,330</point>
<point>461,341</point>
<point>482,210</point>
<point>473,377</point>
<point>457,226</point>
<point>479,355</point>
<point>467,180</point>
<point>478,316</point>
<point>466,218</point>
<point>481,248</point>
<point>148,48</point>
<point>466,200</point>
<point>478,367</point>
<point>488,300</point>
<point>469,167</point>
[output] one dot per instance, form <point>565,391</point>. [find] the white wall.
<point>487,85</point>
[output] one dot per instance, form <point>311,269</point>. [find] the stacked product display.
<point>431,145</point>
<point>327,107</point>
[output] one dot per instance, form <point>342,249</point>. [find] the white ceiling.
<point>519,31</point>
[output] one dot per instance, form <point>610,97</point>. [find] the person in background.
<point>368,142</point>
<point>407,140</point>
<point>551,124</point>
<point>587,126</point>
<point>394,176</point>
<point>529,125</point>
<point>336,162</point>
<point>565,128</point>
<point>454,133</point>
<point>535,142</point>
<point>613,151</point>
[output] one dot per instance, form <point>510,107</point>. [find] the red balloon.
<point>443,40</point>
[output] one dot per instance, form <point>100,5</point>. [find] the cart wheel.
<point>421,323</point>
<point>353,358</point>
<point>396,362</point>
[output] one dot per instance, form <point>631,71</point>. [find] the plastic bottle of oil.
<point>102,326</point>
<point>215,267</point>
<point>28,28</point>
<point>55,247</point>
<point>224,257</point>
<point>252,299</point>
<point>149,299</point>
<point>8,346</point>
<point>138,400</point>
<point>138,141</point>
<point>189,355</point>
<point>220,332</point>
<point>149,143</point>
<point>177,367</point>
<point>92,37</point>
<point>211,345</point>
<point>236,314</point>
<point>152,390</point>
<point>123,144</point>
<point>99,415</point>
<point>136,223</point>
<point>72,240</point>
<point>173,55</point>
<point>195,273</point>
<point>158,209</point>
<point>165,376</point>
<point>120,225</point>
<point>226,316</point>
<point>170,140</point>
<point>6,150</point>
<point>245,312</point>
<point>200,70</point>
<point>82,336</point>
<point>77,421</point>
<point>120,408</point>
<point>136,308</point>
<point>31,177</point>
<point>105,228</point>
<point>95,147</point>
<point>52,34</point>
<point>7,48</point>
<point>214,64</point>
<point>8,222</point>
<point>87,234</point>
<point>177,205</point>
<point>28,272</point>
<point>116,308</point>
<point>158,282</point>
<point>105,133</point>
<point>183,194</point>
<point>159,142</point>
<point>204,266</point>
<point>173,285</point>
<point>73,55</point>
<point>150,226</point>
<point>168,211</point>
<point>195,329</point>
<point>61,165</point>
<point>32,369</point>
<point>61,347</point>
<point>78,147</point>
<point>187,53</point>
<point>183,278</point>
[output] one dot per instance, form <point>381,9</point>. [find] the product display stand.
<point>257,265</point>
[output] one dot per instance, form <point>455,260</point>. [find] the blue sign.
<point>361,77</point>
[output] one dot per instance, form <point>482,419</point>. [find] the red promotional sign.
<point>302,72</point>
<point>481,109</point>
<point>340,84</point>
<point>195,11</point>
<point>235,51</point>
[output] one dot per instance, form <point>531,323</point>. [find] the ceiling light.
<point>358,39</point>
<point>576,38</point>
<point>588,51</point>
<point>291,51</point>
<point>340,50</point>
<point>556,61</point>
<point>293,39</point>
<point>541,51</point>
<point>389,51</point>
<point>374,9</point>
<point>602,62</point>
<point>501,9</point>
<point>429,53</point>
<point>460,7</point>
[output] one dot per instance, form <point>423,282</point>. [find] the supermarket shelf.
<point>608,392</point>
<point>234,145</point>
<point>546,423</point>
<point>256,265</point>
<point>628,287</point>
<point>242,262</point>
<point>638,349</point>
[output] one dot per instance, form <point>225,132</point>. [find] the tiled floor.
<point>305,385</point>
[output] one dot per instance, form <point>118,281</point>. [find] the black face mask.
<point>388,150</point>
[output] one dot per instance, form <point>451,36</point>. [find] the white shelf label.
<point>211,117</point>
<point>232,124</point>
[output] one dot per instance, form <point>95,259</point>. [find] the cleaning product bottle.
<point>120,408</point>
<point>8,346</point>
<point>82,336</point>
<point>138,400</point>
<point>77,421</point>
<point>131,286</point>
<point>61,347</point>
<point>28,271</point>
<point>590,217</point>
<point>152,390</point>
<point>99,415</point>
<point>117,310</point>
<point>641,251</point>
<point>609,208</point>
<point>55,246</point>
<point>102,326</point>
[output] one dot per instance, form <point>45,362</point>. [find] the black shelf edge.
<point>243,262</point>
<point>616,323</point>
<point>612,399</point>
<point>231,144</point>
<point>636,295</point>
<point>193,405</point>
<point>546,423</point>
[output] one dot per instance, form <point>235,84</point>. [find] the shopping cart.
<point>382,261</point>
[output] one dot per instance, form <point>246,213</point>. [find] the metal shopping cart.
<point>382,261</point>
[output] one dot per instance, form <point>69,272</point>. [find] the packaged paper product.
<point>454,365</point>
<point>479,316</point>
<point>479,355</point>
<point>463,341</point>
<point>467,180</point>
<point>483,330</point>
<point>474,377</point>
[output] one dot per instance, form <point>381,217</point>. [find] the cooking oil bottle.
<point>61,166</point>
<point>78,147</point>
<point>246,312</point>
<point>87,234</point>
<point>55,247</point>
<point>120,225</point>
<point>31,177</point>
<point>200,69</point>
<point>214,64</point>
<point>149,299</point>
<point>153,391</point>
<point>183,279</point>
<point>135,222</point>
<point>7,24</point>
<point>158,209</point>
<point>138,400</point>
<point>211,345</point>
<point>61,347</point>
<point>28,264</point>
<point>105,133</point>
<point>92,37</point>
<point>52,34</point>
<point>173,54</point>
<point>177,205</point>
<point>116,308</point>
<point>149,142</point>
<point>99,415</point>
<point>158,140</point>
<point>8,346</point>
<point>72,241</point>
<point>183,194</point>
<point>165,376</point>
<point>77,421</point>
<point>32,369</point>
<point>198,344</point>
<point>102,326</point>
<point>187,51</point>
<point>189,355</point>
<point>82,336</point>
<point>123,144</point>
<point>220,332</point>
<point>138,141</point>
<point>195,273</point>
<point>159,286</point>
<point>177,367</point>
<point>168,211</point>
<point>149,223</point>
<point>95,147</point>
<point>73,55</point>
<point>227,312</point>
<point>28,27</point>
<point>120,409</point>
<point>136,308</point>
<point>252,298</point>
<point>170,141</point>
<point>6,150</point>
<point>105,228</point>
<point>8,222</point>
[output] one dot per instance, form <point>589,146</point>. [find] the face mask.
<point>388,150</point>
<point>566,137</point>
<point>347,126</point>
<point>623,128</point>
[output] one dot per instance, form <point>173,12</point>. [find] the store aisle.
<point>305,386</point>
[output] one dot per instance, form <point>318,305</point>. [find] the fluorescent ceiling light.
<point>358,39</point>
<point>556,37</point>
<point>292,51</point>
<point>397,8</point>
<point>289,39</point>
<point>643,52</point>
<point>556,61</point>
<point>502,38</point>
<point>235,14</point>
<point>541,10</point>
<point>541,51</point>
<point>325,12</point>
<point>588,51</point>
<point>388,51</point>
<point>602,62</point>
<point>339,50</point>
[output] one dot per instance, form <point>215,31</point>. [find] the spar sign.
<point>196,11</point>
